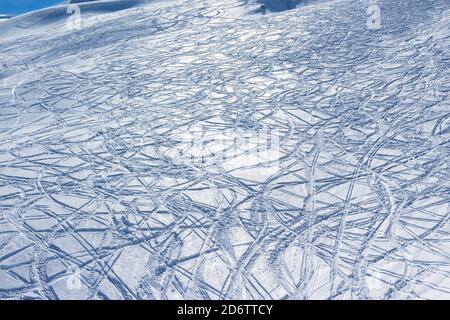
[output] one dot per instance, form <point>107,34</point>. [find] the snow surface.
<point>106,192</point>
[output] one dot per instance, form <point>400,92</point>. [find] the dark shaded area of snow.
<point>80,1</point>
<point>94,204</point>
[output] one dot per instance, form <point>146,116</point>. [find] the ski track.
<point>355,206</point>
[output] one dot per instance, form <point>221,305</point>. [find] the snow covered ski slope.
<point>226,149</point>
